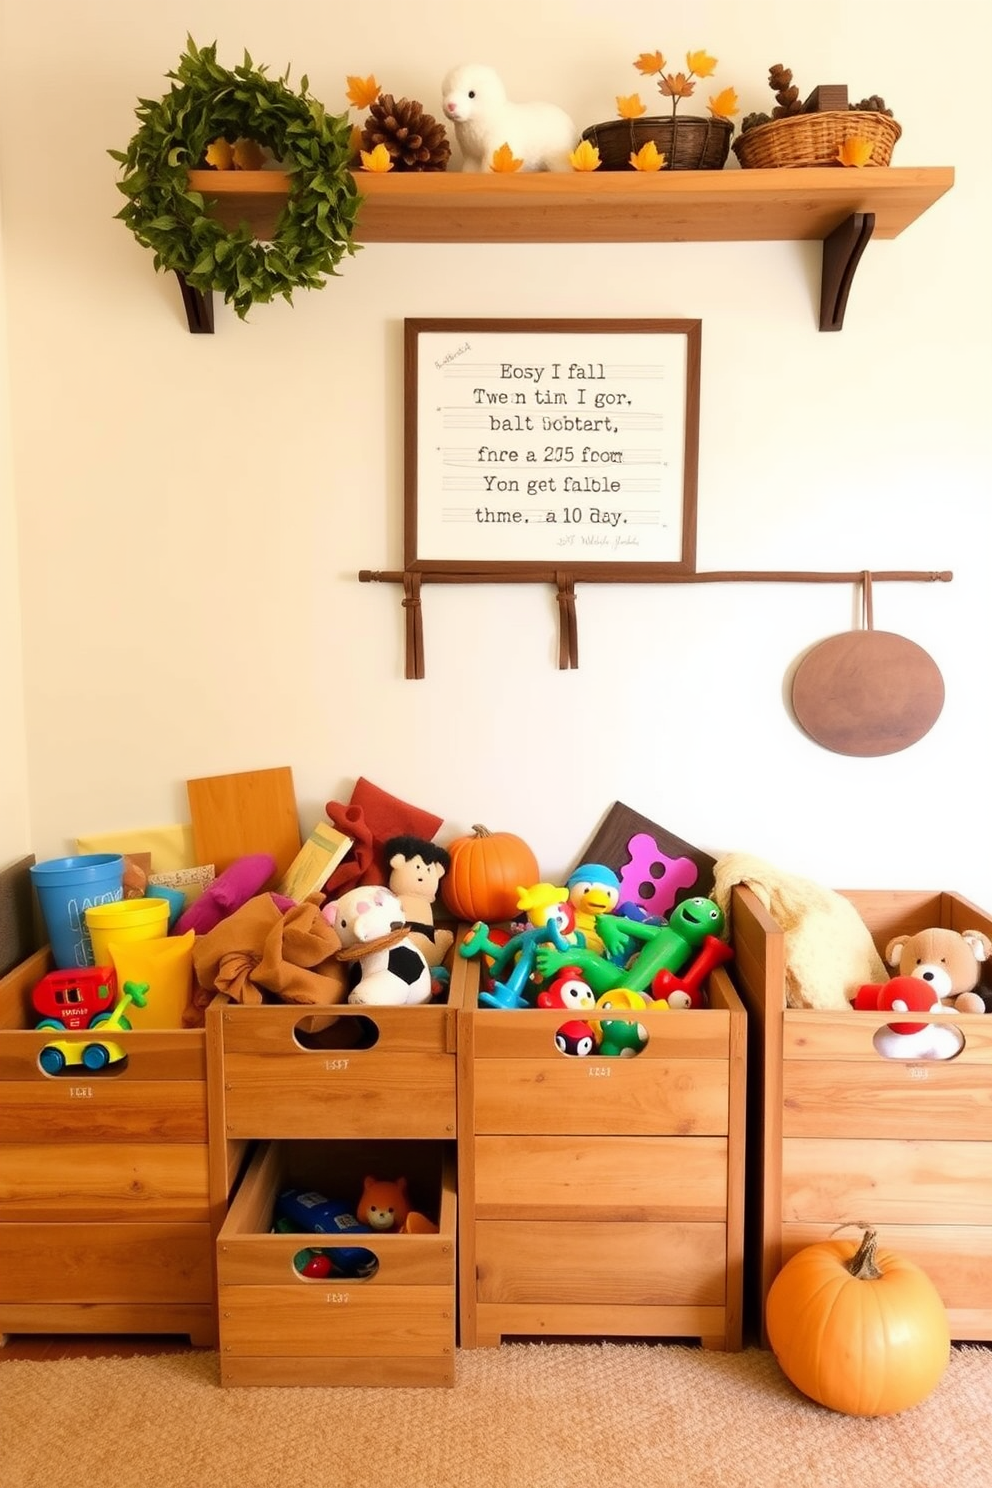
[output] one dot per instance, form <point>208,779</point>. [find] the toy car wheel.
<point>96,1056</point>
<point>49,1023</point>
<point>52,1060</point>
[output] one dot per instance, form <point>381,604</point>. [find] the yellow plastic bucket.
<point>166,964</point>
<point>128,919</point>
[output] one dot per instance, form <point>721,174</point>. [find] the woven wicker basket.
<point>687,143</point>
<point>812,139</point>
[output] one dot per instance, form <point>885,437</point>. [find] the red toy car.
<point>82,997</point>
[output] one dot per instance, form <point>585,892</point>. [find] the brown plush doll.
<point>416,868</point>
<point>950,962</point>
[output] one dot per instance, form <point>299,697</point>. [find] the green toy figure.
<point>666,947</point>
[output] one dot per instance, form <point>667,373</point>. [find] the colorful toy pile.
<point>573,950</point>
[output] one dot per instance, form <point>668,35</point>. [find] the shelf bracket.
<point>199,307</point>
<point>842,250</point>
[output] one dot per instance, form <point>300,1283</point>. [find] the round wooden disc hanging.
<point>867,692</point>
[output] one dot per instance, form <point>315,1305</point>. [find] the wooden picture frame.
<point>532,446</point>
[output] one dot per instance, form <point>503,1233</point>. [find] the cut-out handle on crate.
<point>912,1043</point>
<point>326,1031</point>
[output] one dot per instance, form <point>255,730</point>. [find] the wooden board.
<point>234,816</point>
<point>20,932</point>
<point>657,869</point>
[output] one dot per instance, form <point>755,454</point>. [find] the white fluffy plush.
<point>388,972</point>
<point>475,103</point>
<point>829,952</point>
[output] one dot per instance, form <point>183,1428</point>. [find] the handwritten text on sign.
<point>550,447</point>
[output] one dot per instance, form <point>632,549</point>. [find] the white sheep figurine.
<point>475,102</point>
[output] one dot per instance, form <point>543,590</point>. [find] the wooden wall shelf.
<point>842,208</point>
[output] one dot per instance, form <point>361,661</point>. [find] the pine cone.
<point>751,121</point>
<point>786,96</point>
<point>872,105</point>
<point>415,141</point>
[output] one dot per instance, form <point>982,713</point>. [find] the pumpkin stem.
<point>862,1264</point>
<point>481,831</point>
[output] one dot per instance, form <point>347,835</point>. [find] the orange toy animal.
<point>385,1208</point>
<point>384,1205</point>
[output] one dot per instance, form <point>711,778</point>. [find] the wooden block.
<point>234,816</point>
<point>826,98</point>
<point>315,862</point>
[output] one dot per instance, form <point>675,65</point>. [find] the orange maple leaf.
<point>378,159</point>
<point>724,104</point>
<point>701,64</point>
<point>676,85</point>
<point>219,154</point>
<point>650,62</point>
<point>855,150</point>
<point>248,155</point>
<point>630,107</point>
<point>648,158</point>
<point>504,161</point>
<point>362,92</point>
<point>585,156</point>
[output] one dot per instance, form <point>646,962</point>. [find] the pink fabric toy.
<point>229,890</point>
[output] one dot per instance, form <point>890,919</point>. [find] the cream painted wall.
<point>14,828</point>
<point>193,511</point>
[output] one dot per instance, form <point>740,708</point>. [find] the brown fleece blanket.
<point>260,954</point>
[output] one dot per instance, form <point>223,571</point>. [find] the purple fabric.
<point>229,890</point>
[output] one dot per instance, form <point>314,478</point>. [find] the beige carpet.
<point>530,1415</point>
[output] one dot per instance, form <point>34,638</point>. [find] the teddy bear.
<point>416,868</point>
<point>949,961</point>
<point>474,101</point>
<point>384,1204</point>
<point>385,968</point>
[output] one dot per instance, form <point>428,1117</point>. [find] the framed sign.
<point>533,446</point>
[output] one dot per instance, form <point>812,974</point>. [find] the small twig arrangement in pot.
<point>637,141</point>
<point>823,130</point>
<point>224,119</point>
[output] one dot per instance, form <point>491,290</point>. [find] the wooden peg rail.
<point>564,582</point>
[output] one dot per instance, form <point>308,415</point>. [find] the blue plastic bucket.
<point>66,888</point>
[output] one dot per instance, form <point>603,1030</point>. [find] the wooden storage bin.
<point>289,1071</point>
<point>601,1197</point>
<point>107,1224</point>
<point>397,1327</point>
<point>838,1133</point>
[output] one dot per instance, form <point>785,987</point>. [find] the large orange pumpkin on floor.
<point>858,1328</point>
<point>486,874</point>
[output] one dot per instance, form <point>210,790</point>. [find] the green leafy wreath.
<point>207,102</point>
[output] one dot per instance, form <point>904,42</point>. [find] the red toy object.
<point>576,1039</point>
<point>568,990</point>
<point>902,994</point>
<point>686,990</point>
<point>81,997</point>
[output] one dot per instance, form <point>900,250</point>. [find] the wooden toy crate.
<point>838,1133</point>
<point>107,1224</point>
<point>397,1327</point>
<point>291,1071</point>
<point>599,1196</point>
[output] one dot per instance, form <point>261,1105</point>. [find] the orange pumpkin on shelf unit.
<point>487,872</point>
